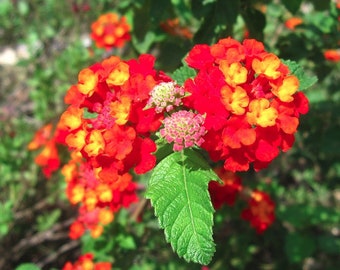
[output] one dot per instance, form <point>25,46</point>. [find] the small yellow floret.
<point>234,73</point>
<point>267,66</point>
<point>235,101</point>
<point>261,114</point>
<point>287,89</point>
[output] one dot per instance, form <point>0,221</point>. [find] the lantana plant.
<point>231,107</point>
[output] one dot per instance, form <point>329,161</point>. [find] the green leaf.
<point>27,266</point>
<point>218,20</point>
<point>178,190</point>
<point>251,15</point>
<point>181,74</point>
<point>292,5</point>
<point>299,247</point>
<point>306,80</point>
<point>329,244</point>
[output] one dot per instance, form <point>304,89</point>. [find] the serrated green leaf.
<point>181,74</point>
<point>306,80</point>
<point>178,190</point>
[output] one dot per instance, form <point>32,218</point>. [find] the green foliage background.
<point>304,182</point>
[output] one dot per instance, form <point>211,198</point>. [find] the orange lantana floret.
<point>77,194</point>
<point>293,22</point>
<point>234,73</point>
<point>87,81</point>
<point>261,114</point>
<point>286,89</point>
<point>95,143</point>
<point>41,137</point>
<point>104,192</point>
<point>71,119</point>
<point>76,140</point>
<point>235,101</point>
<point>96,231</point>
<point>90,199</point>
<point>48,158</point>
<point>105,216</point>
<point>120,110</point>
<point>268,66</point>
<point>119,75</point>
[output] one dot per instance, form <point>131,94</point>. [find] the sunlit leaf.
<point>178,190</point>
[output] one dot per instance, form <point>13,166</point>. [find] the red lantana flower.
<point>85,262</point>
<point>260,211</point>
<point>173,27</point>
<point>332,55</point>
<point>250,101</point>
<point>225,193</point>
<point>110,31</point>
<point>48,139</point>
<point>108,128</point>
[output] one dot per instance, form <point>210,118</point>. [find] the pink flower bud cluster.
<point>183,128</point>
<point>165,95</point>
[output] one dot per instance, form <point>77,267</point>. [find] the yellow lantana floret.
<point>287,89</point>
<point>71,119</point>
<point>119,75</point>
<point>235,101</point>
<point>105,216</point>
<point>87,81</point>
<point>261,114</point>
<point>77,194</point>
<point>120,110</point>
<point>234,73</point>
<point>96,143</point>
<point>267,66</point>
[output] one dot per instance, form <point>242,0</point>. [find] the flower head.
<point>110,31</point>
<point>173,27</point>
<point>165,96</point>
<point>260,211</point>
<point>225,193</point>
<point>86,262</point>
<point>184,128</point>
<point>109,132</point>
<point>332,55</point>
<point>250,101</point>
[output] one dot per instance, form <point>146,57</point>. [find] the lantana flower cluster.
<point>242,107</point>
<point>47,139</point>
<point>110,31</point>
<point>260,212</point>
<point>85,262</point>
<point>108,129</point>
<point>250,100</point>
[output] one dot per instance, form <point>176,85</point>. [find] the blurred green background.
<point>43,46</point>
